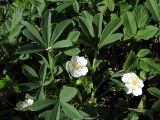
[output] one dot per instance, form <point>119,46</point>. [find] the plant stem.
<point>50,58</point>
<point>94,61</point>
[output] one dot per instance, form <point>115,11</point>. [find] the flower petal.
<point>137,92</point>
<point>75,74</point>
<point>82,61</point>
<point>68,66</point>
<point>83,70</point>
<point>140,82</point>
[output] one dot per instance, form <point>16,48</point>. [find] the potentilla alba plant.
<point>24,105</point>
<point>77,66</point>
<point>133,84</point>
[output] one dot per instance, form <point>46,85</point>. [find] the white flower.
<point>77,66</point>
<point>23,106</point>
<point>133,84</point>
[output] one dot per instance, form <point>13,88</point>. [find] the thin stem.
<point>94,61</point>
<point>50,58</point>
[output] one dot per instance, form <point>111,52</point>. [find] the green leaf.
<point>142,103</point>
<point>97,24</point>
<point>46,27</point>
<point>32,33</point>
<point>63,6</point>
<point>41,94</point>
<point>146,33</point>
<point>57,70</point>
<point>73,36</point>
<point>16,17</point>
<point>131,62</point>
<point>110,39</point>
<point>39,105</point>
<point>55,114</point>
<point>76,6</point>
<point>63,44</point>
<point>141,16</point>
<point>29,72</point>
<point>129,23</point>
<point>85,20</point>
<point>149,65</point>
<point>70,111</point>
<point>132,116</point>
<point>111,27</point>
<point>30,48</point>
<point>152,5</point>
<point>143,53</point>
<point>45,114</point>
<point>59,29</point>
<point>156,106</point>
<point>111,5</point>
<point>43,72</point>
<point>154,91</point>
<point>67,93</point>
<point>72,51</point>
<point>29,86</point>
<point>118,84</point>
<point>2,84</point>
<point>106,4</point>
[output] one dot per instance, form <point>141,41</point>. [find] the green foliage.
<point>69,56</point>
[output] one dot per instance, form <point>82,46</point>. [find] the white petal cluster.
<point>133,84</point>
<point>77,66</point>
<point>24,105</point>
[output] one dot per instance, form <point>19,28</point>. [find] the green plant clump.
<point>79,59</point>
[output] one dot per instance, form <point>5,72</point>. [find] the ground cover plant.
<point>79,59</point>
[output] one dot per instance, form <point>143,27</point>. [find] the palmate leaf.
<point>76,6</point>
<point>149,65</point>
<point>129,23</point>
<point>29,72</point>
<point>32,33</point>
<point>85,21</point>
<point>110,39</point>
<point>39,105</point>
<point>16,17</point>
<point>46,27</point>
<point>156,106</point>
<point>110,28</point>
<point>146,33</point>
<point>72,51</point>
<point>131,62</point>
<point>97,24</point>
<point>59,29</point>
<point>141,16</point>
<point>55,113</point>
<point>62,44</point>
<point>73,36</point>
<point>41,94</point>
<point>143,53</point>
<point>153,7</point>
<point>43,72</point>
<point>30,48</point>
<point>29,86</point>
<point>106,4</point>
<point>70,111</point>
<point>154,91</point>
<point>67,93</point>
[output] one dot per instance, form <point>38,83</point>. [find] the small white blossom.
<point>77,66</point>
<point>133,84</point>
<point>23,106</point>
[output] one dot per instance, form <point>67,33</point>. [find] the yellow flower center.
<point>134,83</point>
<point>76,66</point>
